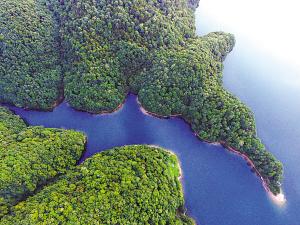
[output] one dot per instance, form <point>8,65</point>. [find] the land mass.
<point>92,53</point>
<point>40,182</point>
<point>31,156</point>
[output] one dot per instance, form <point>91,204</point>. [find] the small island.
<point>92,54</point>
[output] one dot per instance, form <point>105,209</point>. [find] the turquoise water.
<point>219,187</point>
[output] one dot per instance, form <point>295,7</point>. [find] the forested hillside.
<point>127,185</point>
<point>31,156</point>
<point>100,50</point>
<point>30,70</point>
<point>187,81</point>
<point>107,41</point>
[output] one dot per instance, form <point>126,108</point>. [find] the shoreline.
<point>144,111</point>
<point>180,178</point>
<point>59,101</point>
<point>278,199</point>
<point>105,112</point>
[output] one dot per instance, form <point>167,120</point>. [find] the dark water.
<point>219,187</point>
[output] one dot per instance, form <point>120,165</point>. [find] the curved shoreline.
<point>180,178</point>
<point>105,112</point>
<point>279,198</point>
<point>144,111</point>
<point>59,101</point>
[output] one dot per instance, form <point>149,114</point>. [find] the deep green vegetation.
<point>188,82</point>
<point>108,48</point>
<point>128,185</point>
<point>31,156</point>
<point>107,41</point>
<point>30,71</point>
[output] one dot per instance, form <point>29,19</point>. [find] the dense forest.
<point>98,51</point>
<point>31,156</point>
<point>30,70</point>
<point>127,185</point>
<point>187,81</point>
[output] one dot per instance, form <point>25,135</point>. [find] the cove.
<point>218,185</point>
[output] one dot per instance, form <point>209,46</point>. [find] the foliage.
<point>127,185</point>
<point>96,33</point>
<point>187,81</point>
<point>107,48</point>
<point>11,123</point>
<point>31,156</point>
<point>30,71</point>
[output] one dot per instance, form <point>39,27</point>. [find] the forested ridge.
<point>107,48</point>
<point>31,156</point>
<point>30,70</point>
<point>127,185</point>
<point>188,82</point>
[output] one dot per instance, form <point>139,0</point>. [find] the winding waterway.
<point>219,187</point>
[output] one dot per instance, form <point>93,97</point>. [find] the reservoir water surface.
<point>219,187</point>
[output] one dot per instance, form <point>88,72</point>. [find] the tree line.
<point>126,185</point>
<point>100,50</point>
<point>31,156</point>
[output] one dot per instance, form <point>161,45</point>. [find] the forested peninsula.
<point>40,181</point>
<point>93,53</point>
<point>128,185</point>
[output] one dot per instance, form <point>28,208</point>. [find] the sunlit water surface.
<point>219,187</point>
<point>264,72</point>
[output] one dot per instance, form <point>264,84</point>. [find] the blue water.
<point>270,86</point>
<point>219,187</point>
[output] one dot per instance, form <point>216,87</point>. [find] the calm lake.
<point>219,187</point>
